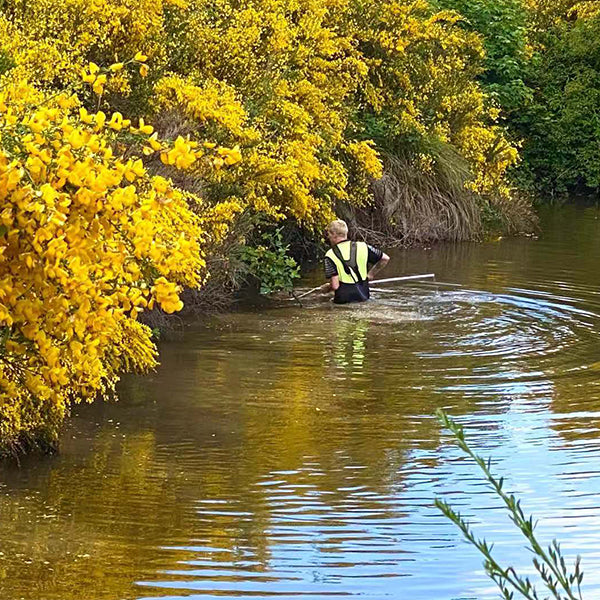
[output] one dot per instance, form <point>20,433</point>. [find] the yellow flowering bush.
<point>421,88</point>
<point>51,40</point>
<point>88,239</point>
<point>305,87</point>
<point>134,133</point>
<point>294,84</point>
<point>276,78</point>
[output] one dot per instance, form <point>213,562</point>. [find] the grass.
<point>413,205</point>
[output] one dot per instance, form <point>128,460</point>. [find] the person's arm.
<point>332,285</point>
<point>380,264</point>
<point>331,274</point>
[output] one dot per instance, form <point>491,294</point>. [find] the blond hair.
<point>338,228</point>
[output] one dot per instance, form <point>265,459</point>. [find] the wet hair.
<point>338,228</point>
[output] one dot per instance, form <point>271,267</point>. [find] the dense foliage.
<point>560,128</point>
<point>279,109</point>
<point>503,27</point>
<point>88,239</point>
<point>541,68</point>
<point>269,262</point>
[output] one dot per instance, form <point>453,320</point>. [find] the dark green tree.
<point>561,127</point>
<point>503,26</point>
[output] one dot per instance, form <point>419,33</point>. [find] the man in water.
<point>347,265</point>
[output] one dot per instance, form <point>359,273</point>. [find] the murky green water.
<point>293,452</point>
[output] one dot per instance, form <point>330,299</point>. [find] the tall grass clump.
<point>414,203</point>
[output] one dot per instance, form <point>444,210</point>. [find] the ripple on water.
<point>313,542</point>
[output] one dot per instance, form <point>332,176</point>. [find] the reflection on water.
<point>293,452</point>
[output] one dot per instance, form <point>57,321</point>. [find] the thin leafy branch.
<point>549,563</point>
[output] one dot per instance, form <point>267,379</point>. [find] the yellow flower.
<point>87,77</point>
<point>134,170</point>
<point>100,119</point>
<point>144,70</point>
<point>98,85</point>
<point>166,293</point>
<point>143,128</point>
<point>76,139</point>
<point>161,185</point>
<point>116,121</point>
<point>154,143</point>
<point>231,156</point>
<point>85,116</point>
<point>139,57</point>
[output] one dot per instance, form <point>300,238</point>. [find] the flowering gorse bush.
<point>88,239</point>
<point>301,86</point>
<point>132,134</point>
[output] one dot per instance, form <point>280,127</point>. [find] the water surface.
<point>293,452</point>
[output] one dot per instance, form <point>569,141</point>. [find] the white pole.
<point>406,278</point>
<point>377,281</point>
<point>307,293</point>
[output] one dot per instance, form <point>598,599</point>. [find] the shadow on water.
<point>293,452</point>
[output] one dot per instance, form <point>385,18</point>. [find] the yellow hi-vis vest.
<point>351,269</point>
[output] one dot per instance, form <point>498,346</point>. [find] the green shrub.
<point>270,263</point>
<point>503,26</point>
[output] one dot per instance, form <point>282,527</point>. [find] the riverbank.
<point>401,223</point>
